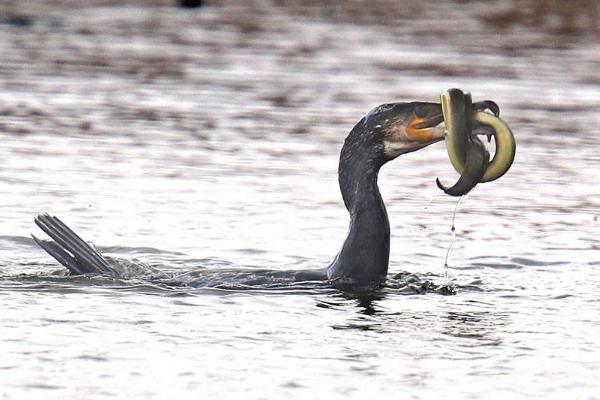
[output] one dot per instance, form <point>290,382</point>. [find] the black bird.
<point>383,134</point>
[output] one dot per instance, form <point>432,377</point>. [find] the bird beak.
<point>424,128</point>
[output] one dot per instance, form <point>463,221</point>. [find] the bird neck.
<point>364,257</point>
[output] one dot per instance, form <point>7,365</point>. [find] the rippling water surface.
<point>210,139</point>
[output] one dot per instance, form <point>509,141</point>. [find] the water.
<point>211,139</point>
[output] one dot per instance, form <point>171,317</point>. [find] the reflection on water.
<point>481,326</point>
<point>210,140</point>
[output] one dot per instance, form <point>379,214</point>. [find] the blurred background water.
<point>209,137</point>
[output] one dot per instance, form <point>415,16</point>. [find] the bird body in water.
<point>383,134</point>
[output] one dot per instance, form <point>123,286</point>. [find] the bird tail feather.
<point>69,249</point>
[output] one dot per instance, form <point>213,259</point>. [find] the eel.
<point>465,151</point>
<point>476,164</point>
<point>506,146</point>
<point>458,124</point>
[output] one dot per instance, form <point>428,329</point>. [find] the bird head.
<point>406,127</point>
<point>399,128</point>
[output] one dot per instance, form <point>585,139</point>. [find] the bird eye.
<point>420,112</point>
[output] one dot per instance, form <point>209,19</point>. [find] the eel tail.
<point>69,249</point>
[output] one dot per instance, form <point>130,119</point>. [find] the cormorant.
<point>383,134</point>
